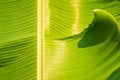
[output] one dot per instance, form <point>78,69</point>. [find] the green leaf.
<point>91,54</point>
<point>61,18</point>
<point>18,24</point>
<point>103,25</point>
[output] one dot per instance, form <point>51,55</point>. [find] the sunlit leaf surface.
<point>82,40</point>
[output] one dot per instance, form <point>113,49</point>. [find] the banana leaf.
<point>81,40</point>
<point>18,39</point>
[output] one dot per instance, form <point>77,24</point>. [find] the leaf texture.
<point>18,28</point>
<point>91,54</point>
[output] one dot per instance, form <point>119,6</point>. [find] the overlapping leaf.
<point>94,53</point>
